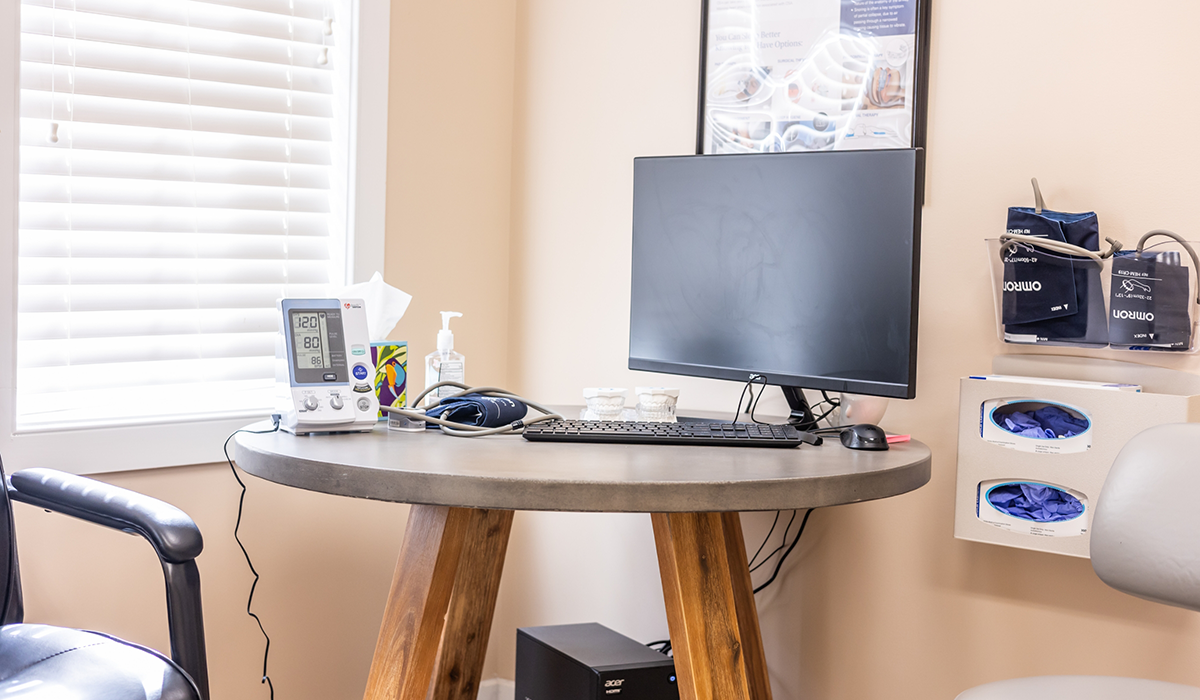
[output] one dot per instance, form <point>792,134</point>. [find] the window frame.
<point>97,450</point>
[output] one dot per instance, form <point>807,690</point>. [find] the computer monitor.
<point>800,267</point>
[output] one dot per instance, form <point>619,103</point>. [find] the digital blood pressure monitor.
<point>324,376</point>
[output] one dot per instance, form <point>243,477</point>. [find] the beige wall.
<point>512,128</point>
<point>880,600</point>
<point>449,163</point>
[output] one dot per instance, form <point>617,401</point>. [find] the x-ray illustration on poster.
<point>810,75</point>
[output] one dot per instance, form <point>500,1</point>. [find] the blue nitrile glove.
<point>1019,422</point>
<point>1062,423</point>
<point>473,409</point>
<point>1043,504</point>
<point>1025,425</point>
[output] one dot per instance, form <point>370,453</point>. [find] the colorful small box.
<point>391,373</point>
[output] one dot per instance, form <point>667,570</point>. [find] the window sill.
<point>100,450</point>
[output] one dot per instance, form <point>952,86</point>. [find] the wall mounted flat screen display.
<point>802,267</point>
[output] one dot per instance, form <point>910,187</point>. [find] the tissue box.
<point>391,373</point>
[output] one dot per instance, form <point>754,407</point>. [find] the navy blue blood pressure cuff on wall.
<point>473,409</point>
<point>1149,297</point>
<point>1051,295</point>
<point>1038,284</point>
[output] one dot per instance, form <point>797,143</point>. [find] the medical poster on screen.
<point>809,75</point>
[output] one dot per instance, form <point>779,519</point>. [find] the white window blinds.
<point>182,165</point>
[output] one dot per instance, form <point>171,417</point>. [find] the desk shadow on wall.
<point>791,629</point>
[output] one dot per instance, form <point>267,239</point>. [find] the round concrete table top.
<point>510,473</point>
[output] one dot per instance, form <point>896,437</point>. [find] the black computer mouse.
<point>864,436</point>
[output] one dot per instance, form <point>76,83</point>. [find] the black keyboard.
<point>639,433</point>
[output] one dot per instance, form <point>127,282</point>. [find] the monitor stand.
<point>802,416</point>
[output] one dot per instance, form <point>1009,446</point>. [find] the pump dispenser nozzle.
<point>445,339</point>
<point>444,364</point>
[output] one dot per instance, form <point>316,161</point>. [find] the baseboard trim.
<point>497,689</point>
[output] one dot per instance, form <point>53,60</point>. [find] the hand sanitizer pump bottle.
<point>444,365</point>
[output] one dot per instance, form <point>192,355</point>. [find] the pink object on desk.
<point>898,438</point>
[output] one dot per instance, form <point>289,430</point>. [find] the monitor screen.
<point>801,267</point>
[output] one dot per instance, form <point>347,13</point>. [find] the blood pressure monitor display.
<point>318,346</point>
<point>310,331</point>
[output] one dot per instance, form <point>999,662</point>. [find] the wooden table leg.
<point>417,603</point>
<point>710,607</point>
<point>469,622</point>
<point>747,611</point>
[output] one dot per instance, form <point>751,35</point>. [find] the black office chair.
<point>40,662</point>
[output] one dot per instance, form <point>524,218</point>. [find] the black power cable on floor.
<point>241,500</point>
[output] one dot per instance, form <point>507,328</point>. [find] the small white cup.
<point>604,403</point>
<point>656,403</point>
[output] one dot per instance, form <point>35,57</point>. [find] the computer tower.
<point>590,662</point>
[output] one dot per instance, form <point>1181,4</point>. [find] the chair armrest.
<point>174,536</point>
<point>169,530</point>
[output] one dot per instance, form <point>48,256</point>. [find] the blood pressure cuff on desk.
<point>1049,296</point>
<point>473,409</point>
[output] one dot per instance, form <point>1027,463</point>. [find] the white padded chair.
<point>1145,542</point>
